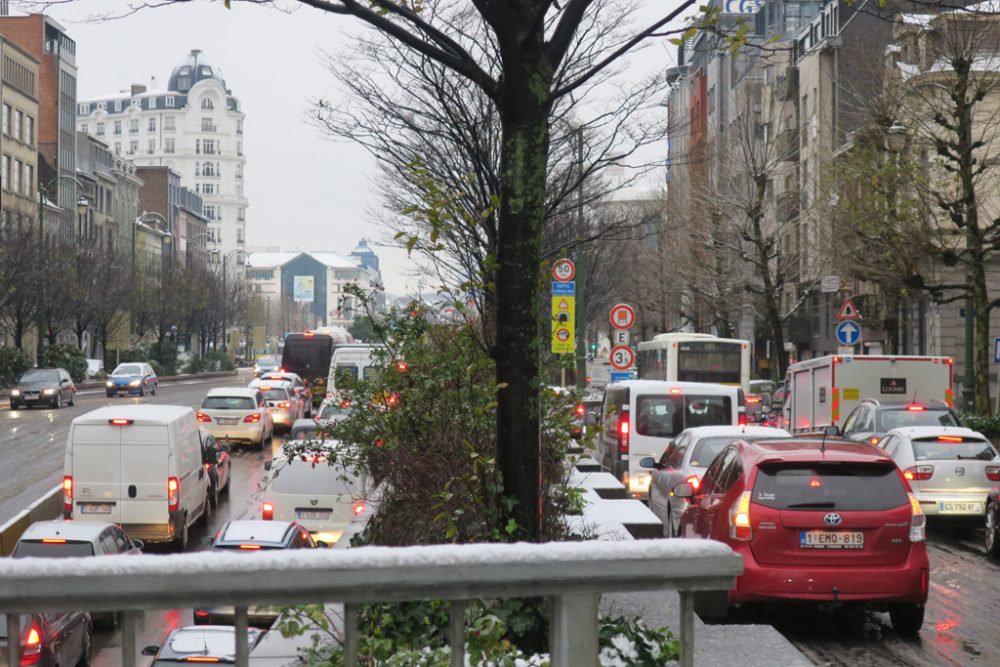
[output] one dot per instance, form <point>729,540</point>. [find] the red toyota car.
<point>815,521</point>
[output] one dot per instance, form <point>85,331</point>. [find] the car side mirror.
<point>150,650</point>
<point>590,419</point>
<point>138,544</point>
<point>322,544</point>
<point>683,490</point>
<point>267,465</point>
<point>832,431</point>
<point>648,462</point>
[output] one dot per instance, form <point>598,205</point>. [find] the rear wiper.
<point>828,504</point>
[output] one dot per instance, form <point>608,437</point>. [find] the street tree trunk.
<point>980,304</point>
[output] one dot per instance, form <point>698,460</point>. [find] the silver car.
<point>950,469</point>
<point>686,459</point>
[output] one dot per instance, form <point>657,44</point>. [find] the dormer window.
<point>207,103</point>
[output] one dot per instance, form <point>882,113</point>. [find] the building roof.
<point>192,69</point>
<point>275,259</point>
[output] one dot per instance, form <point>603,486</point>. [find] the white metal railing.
<point>572,574</point>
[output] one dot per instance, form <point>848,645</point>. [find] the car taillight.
<point>67,496</point>
<point>358,508</point>
<point>918,520</point>
<point>874,440</point>
<point>623,431</point>
<point>739,519</point>
<point>284,404</point>
<point>915,408</point>
<point>206,658</point>
<point>579,410</point>
<point>993,473</point>
<point>742,419</point>
<point>693,481</point>
<point>32,650</point>
<point>252,547</point>
<point>919,473</point>
<point>173,493</point>
<point>267,512</point>
<point>202,417</point>
<point>252,419</point>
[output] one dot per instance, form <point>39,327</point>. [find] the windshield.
<point>128,369</point>
<point>332,412</point>
<point>839,486</point>
<point>269,362</point>
<point>40,376</point>
<point>762,386</point>
<point>308,478</point>
<point>666,416</point>
<point>228,403</point>
<point>890,419</point>
<point>709,361</point>
<point>41,549</point>
<point>933,449</point>
<point>706,449</point>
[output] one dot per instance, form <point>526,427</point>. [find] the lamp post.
<point>135,225</point>
<point>225,296</point>
<point>896,139</point>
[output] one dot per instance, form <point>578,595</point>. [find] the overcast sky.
<point>305,191</point>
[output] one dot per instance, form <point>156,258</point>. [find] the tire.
<point>992,532</point>
<point>142,389</point>
<point>57,401</point>
<point>15,406</point>
<point>180,542</point>
<point>87,653</point>
<point>110,394</point>
<point>213,497</point>
<point>206,512</point>
<point>229,480</point>
<point>72,399</point>
<point>907,619</point>
<point>155,387</point>
<point>668,528</point>
<point>110,622</point>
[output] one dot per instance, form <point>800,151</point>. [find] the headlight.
<point>109,383</point>
<point>15,392</point>
<point>135,383</point>
<point>48,392</point>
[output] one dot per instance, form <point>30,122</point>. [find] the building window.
<point>168,145</point>
<point>151,126</point>
<point>239,127</point>
<point>133,147</point>
<point>209,147</point>
<point>5,173</point>
<point>239,170</point>
<point>168,124</point>
<point>205,188</point>
<point>152,146</point>
<point>197,146</point>
<point>18,124</point>
<point>151,103</point>
<point>197,168</point>
<point>117,128</point>
<point>6,119</point>
<point>240,214</point>
<point>82,109</point>
<point>118,105</point>
<point>169,101</point>
<point>209,169</point>
<point>209,212</point>
<point>29,180</point>
<point>29,130</point>
<point>118,148</point>
<point>84,128</point>
<point>133,126</point>
<point>207,103</point>
<point>239,235</point>
<point>206,125</point>
<point>17,177</point>
<point>100,129</point>
<point>239,148</point>
<point>103,106</point>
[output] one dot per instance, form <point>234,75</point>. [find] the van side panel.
<point>95,465</point>
<point>145,469</point>
<point>822,383</point>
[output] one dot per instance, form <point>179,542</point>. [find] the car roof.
<point>912,432</point>
<point>284,374</point>
<point>903,404</point>
<point>67,530</point>
<point>662,385</point>
<point>142,413</point>
<point>248,392</point>
<point>815,449</point>
<point>256,531</point>
<point>217,641</point>
<point>273,382</point>
<point>698,432</point>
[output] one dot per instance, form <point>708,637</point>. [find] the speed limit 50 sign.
<point>622,357</point>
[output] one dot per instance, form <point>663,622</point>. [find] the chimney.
<point>152,83</point>
<point>138,89</point>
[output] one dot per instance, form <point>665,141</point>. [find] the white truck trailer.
<point>823,391</point>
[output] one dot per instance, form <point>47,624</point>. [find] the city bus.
<point>695,357</point>
<point>308,355</point>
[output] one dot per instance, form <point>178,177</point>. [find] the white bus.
<point>695,357</point>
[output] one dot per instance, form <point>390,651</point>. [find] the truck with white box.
<point>822,391</point>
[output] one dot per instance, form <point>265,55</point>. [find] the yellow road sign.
<point>563,324</point>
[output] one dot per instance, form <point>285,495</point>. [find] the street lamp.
<point>165,239</point>
<point>225,296</point>
<point>897,138</point>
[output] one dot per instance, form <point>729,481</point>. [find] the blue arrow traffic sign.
<point>567,288</point>
<point>848,332</point>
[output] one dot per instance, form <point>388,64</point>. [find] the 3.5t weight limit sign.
<point>622,357</point>
<point>622,316</point>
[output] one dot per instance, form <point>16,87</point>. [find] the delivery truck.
<point>822,391</point>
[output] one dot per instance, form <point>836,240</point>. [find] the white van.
<point>353,362</point>
<point>138,466</point>
<point>639,418</point>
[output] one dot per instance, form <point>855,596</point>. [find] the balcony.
<point>786,145</point>
<point>786,86</point>
<point>572,574</point>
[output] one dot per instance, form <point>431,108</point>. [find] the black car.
<point>51,640</point>
<point>43,386</point>
<point>200,643</point>
<point>218,464</point>
<point>872,418</point>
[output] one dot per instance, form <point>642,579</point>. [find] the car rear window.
<point>306,477</point>
<point>707,449</point>
<point>666,416</point>
<point>275,395</point>
<point>902,418</point>
<point>935,449</point>
<point>820,486</point>
<point>40,549</point>
<point>228,403</point>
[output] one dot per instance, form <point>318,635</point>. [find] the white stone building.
<point>194,126</point>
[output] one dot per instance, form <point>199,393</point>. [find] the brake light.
<point>173,493</point>
<point>284,404</point>
<point>993,473</point>
<point>202,658</point>
<point>949,438</point>
<point>67,496</point>
<point>202,417</point>
<point>267,512</point>
<point>393,399</point>
<point>402,366</point>
<point>918,520</point>
<point>742,419</point>
<point>281,370</point>
<point>676,390</point>
<point>358,508</point>
<point>623,432</point>
<point>120,422</point>
<point>208,466</point>
<point>309,334</point>
<point>579,410</point>
<point>53,540</point>
<point>250,546</point>
<point>201,613</point>
<point>815,483</point>
<point>739,519</point>
<point>694,482</point>
<point>915,408</point>
<point>32,650</point>
<point>919,473</point>
<point>874,440</point>
<point>753,399</point>
<point>252,419</point>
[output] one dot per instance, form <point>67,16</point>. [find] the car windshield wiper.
<point>827,504</point>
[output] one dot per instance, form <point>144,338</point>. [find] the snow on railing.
<point>572,574</point>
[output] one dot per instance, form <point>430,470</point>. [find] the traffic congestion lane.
<point>959,626</point>
<point>33,440</point>
<point>241,502</point>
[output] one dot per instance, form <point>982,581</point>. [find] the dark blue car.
<point>131,378</point>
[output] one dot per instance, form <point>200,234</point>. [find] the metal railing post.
<point>242,637</point>
<point>687,628</point>
<point>456,633</point>
<point>127,622</point>
<point>573,630</point>
<point>351,638</point>
<point>13,645</point>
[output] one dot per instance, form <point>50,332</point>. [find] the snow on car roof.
<point>209,640</point>
<point>254,530</point>
<point>737,431</point>
<point>933,431</point>
<point>67,530</point>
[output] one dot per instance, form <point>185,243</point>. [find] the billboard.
<point>302,289</point>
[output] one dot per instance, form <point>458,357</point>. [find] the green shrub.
<point>140,352</point>
<point>165,359</point>
<point>988,425</point>
<point>194,365</point>
<point>73,359</point>
<point>157,367</point>
<point>13,362</point>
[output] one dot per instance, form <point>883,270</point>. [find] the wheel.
<point>206,512</point>
<point>907,619</point>
<point>181,541</point>
<point>991,528</point>
<point>110,394</point>
<point>87,650</point>
<point>213,497</point>
<point>142,389</point>
<point>15,406</point>
<point>155,387</point>
<point>229,480</point>
<point>72,399</point>
<point>668,528</point>
<point>110,622</point>
<point>57,401</point>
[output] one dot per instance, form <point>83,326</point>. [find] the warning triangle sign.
<point>848,311</point>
